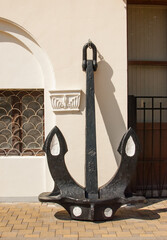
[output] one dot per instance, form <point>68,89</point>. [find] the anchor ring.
<point>94,49</point>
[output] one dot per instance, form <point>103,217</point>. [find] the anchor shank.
<point>91,158</point>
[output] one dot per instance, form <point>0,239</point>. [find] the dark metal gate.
<point>148,117</point>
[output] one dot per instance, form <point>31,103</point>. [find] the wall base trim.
<point>18,199</point>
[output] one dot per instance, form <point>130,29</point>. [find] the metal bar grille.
<point>21,122</point>
<point>151,127</point>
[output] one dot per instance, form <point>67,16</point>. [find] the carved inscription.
<point>65,100</point>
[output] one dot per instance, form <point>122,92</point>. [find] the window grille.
<point>21,122</point>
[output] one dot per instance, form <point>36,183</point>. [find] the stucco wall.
<point>61,28</point>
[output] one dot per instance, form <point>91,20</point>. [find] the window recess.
<point>21,122</point>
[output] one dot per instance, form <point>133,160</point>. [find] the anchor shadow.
<point>133,213</point>
<point>63,215</point>
<point>108,105</point>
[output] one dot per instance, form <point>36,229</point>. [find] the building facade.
<point>42,85</point>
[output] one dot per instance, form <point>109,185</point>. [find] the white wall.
<point>22,177</point>
<point>61,28</point>
<point>24,65</point>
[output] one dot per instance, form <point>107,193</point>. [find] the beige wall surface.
<point>61,28</point>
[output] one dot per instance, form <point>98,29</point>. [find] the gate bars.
<point>148,115</point>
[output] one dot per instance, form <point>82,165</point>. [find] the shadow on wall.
<point>6,37</point>
<point>23,58</point>
<point>110,111</point>
<point>9,26</point>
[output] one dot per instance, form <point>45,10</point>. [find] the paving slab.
<point>25,221</point>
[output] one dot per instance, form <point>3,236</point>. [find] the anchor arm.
<point>129,150</point>
<point>55,147</point>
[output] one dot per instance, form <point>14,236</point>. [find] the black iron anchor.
<point>90,203</point>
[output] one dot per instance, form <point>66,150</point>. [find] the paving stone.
<point>108,235</point>
<point>31,236</point>
<point>25,232</point>
<point>9,234</point>
<point>71,236</point>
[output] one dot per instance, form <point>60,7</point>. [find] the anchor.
<point>90,202</point>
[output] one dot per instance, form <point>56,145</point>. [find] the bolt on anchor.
<point>90,203</point>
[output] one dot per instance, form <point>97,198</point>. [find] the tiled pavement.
<point>46,221</point>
